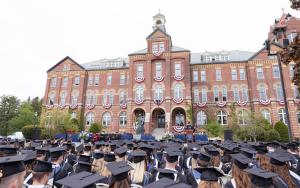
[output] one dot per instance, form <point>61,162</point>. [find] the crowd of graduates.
<point>150,164</point>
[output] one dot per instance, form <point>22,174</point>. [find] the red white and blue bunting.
<point>139,101</point>
<point>90,106</point>
<point>221,103</point>
<point>123,105</point>
<point>265,102</point>
<point>62,106</point>
<point>73,106</point>
<point>107,106</point>
<point>241,103</point>
<point>178,77</point>
<point>158,78</point>
<point>178,101</point>
<point>139,79</point>
<point>157,53</point>
<point>201,104</point>
<point>178,129</point>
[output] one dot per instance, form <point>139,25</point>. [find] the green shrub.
<point>214,129</point>
<point>282,129</point>
<point>95,128</point>
<point>28,130</point>
<point>272,135</point>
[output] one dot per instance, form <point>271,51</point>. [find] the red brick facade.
<point>162,95</point>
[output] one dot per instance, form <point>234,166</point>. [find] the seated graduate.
<point>12,170</point>
<point>261,178</point>
<point>239,177</point>
<point>108,158</point>
<point>97,162</point>
<point>209,177</point>
<point>29,161</point>
<point>40,174</point>
<point>120,174</point>
<point>172,159</point>
<point>120,153</point>
<point>193,175</point>
<point>80,180</point>
<point>139,175</point>
<point>167,183</point>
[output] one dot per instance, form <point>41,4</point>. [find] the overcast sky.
<point>35,35</point>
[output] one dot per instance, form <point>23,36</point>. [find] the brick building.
<point>163,83</point>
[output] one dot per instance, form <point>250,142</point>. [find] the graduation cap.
<point>11,165</point>
<point>109,157</point>
<point>138,156</point>
<point>80,180</point>
<point>8,150</point>
<point>98,155</point>
<point>56,152</point>
<point>121,152</point>
<point>83,166</point>
<point>166,183</point>
<point>211,150</point>
<point>195,154</point>
<point>248,152</point>
<point>147,148</point>
<point>41,150</point>
<point>241,160</point>
<point>166,173</point>
<point>209,174</point>
<point>87,147</point>
<point>172,155</point>
<point>278,158</point>
<point>204,156</point>
<point>119,170</point>
<point>42,166</point>
<point>30,156</point>
<point>260,177</point>
<point>84,158</point>
<point>79,148</point>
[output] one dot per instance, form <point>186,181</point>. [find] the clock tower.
<point>159,21</point>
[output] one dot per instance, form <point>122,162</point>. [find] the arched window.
<point>122,97</point>
<point>178,93</point>
<point>123,119</point>
<point>51,98</point>
<point>204,95</point>
<point>74,97</point>
<point>224,93</point>
<point>242,116</point>
<point>106,119</point>
<point>158,92</point>
<point>63,97</point>
<point>201,118</point>
<point>216,94</point>
<point>139,93</point>
<point>282,115</point>
<point>266,114</point>
<point>244,93</point>
<point>111,97</point>
<point>90,118</point>
<point>222,117</point>
<point>262,93</point>
<point>279,92</point>
<point>196,95</point>
<point>236,94</point>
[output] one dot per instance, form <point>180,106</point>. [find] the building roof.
<point>231,56</point>
<point>61,61</point>
<point>116,63</point>
<point>173,49</point>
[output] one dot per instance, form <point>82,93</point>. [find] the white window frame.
<point>178,92</point>
<point>275,71</point>
<point>203,76</point>
<point>106,119</point>
<point>109,79</point>
<point>96,82</point>
<point>279,92</point>
<point>122,79</point>
<point>77,80</point>
<point>91,79</point>
<point>201,118</point>
<point>158,70</point>
<point>216,94</point>
<point>245,96</point>
<point>90,118</point>
<point>195,75</point>
<point>158,92</point>
<point>140,71</point>
<point>196,95</point>
<point>262,93</point>
<point>177,69</point>
<point>234,75</point>
<point>260,72</point>
<point>282,115</point>
<point>266,114</point>
<point>236,94</point>
<point>224,93</point>
<point>53,82</point>
<point>242,74</point>
<point>65,81</point>
<point>218,75</point>
<point>204,95</point>
<point>123,119</point>
<point>222,117</point>
<point>139,93</point>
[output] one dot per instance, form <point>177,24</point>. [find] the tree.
<point>36,104</point>
<point>282,129</point>
<point>95,128</point>
<point>295,4</point>
<point>9,106</point>
<point>213,128</point>
<point>26,116</point>
<point>189,112</point>
<point>272,135</point>
<point>234,119</point>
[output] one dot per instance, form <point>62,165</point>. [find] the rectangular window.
<point>224,93</point>
<point>216,94</point>
<point>139,71</point>
<point>279,92</point>
<point>111,98</point>
<point>158,70</point>
<point>196,95</point>
<point>65,81</point>
<point>242,74</point>
<point>276,73</point>
<point>161,46</point>
<point>203,76</point>
<point>122,79</point>
<point>259,72</point>
<point>204,95</point>
<point>90,83</point>
<point>177,69</point>
<point>218,75</point>
<point>244,93</point>
<point>77,80</point>
<point>195,76</point>
<point>96,80</point>
<point>109,78</point>
<point>154,47</point>
<point>236,95</point>
<point>233,74</point>
<point>53,81</point>
<point>291,70</point>
<point>262,93</point>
